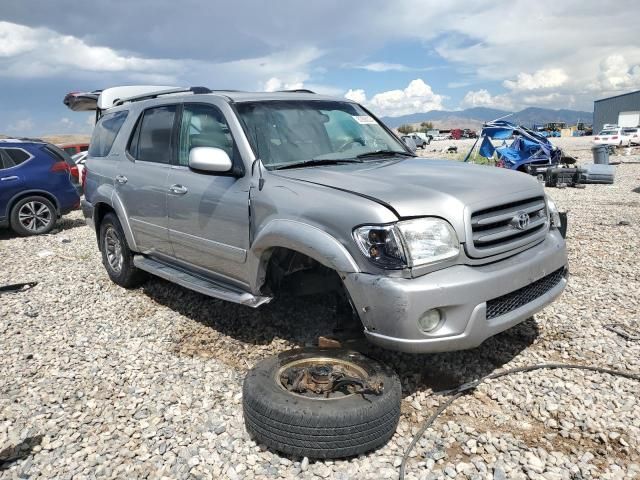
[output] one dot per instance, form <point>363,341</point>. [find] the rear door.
<point>208,212</point>
<point>141,179</point>
<point>11,176</point>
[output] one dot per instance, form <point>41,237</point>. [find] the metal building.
<point>622,110</point>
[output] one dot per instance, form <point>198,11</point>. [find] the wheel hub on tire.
<point>113,249</point>
<point>327,378</point>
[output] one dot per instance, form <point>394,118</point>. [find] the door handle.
<point>178,189</point>
<point>121,179</point>
<point>8,179</point>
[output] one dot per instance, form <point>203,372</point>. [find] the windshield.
<point>291,132</point>
<point>608,132</point>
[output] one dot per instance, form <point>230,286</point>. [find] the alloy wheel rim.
<point>35,216</point>
<point>113,249</point>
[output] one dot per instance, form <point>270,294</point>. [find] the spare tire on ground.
<point>321,403</point>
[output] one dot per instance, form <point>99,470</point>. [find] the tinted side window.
<point>203,126</point>
<point>17,155</point>
<point>105,133</point>
<point>151,140</point>
<point>5,160</point>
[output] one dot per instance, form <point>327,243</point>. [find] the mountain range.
<point>475,117</point>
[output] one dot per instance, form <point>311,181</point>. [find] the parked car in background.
<point>612,136</point>
<point>468,133</point>
<point>442,136</point>
<point>36,186</point>
<point>633,134</point>
<point>73,148</point>
<point>409,142</point>
<point>425,136</point>
<point>418,140</point>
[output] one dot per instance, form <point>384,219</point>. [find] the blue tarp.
<point>486,148</point>
<point>527,147</point>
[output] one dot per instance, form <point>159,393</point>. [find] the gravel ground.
<point>97,381</point>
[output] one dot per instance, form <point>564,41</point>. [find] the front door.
<point>208,212</point>
<point>141,179</point>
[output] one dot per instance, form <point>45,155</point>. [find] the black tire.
<point>318,427</point>
<point>34,215</point>
<point>127,275</point>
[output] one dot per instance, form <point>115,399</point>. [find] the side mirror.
<point>209,159</point>
<point>410,142</point>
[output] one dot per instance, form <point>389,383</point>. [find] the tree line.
<point>407,128</point>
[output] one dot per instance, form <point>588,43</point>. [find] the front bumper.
<point>389,307</point>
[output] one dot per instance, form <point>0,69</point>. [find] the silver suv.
<point>242,196</point>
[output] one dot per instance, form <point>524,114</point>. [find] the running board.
<point>199,284</point>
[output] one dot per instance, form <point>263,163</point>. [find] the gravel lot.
<point>97,381</point>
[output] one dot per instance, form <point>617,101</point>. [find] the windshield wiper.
<point>380,153</point>
<point>316,162</point>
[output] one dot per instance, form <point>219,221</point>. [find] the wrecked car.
<point>246,196</point>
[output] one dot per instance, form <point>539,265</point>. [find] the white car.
<point>612,136</point>
<point>80,159</point>
<point>633,133</point>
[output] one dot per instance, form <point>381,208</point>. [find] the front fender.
<point>300,237</point>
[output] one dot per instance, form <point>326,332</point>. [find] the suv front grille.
<point>518,298</point>
<point>496,230</point>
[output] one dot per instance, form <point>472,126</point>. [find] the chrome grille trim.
<point>492,230</point>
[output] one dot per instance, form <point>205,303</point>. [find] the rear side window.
<point>17,155</point>
<point>5,160</point>
<point>151,139</point>
<point>105,133</point>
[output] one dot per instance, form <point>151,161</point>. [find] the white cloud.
<point>21,127</point>
<point>274,84</point>
<point>358,95</point>
<point>416,97</point>
<point>27,52</point>
<point>482,98</point>
<point>39,52</point>
<point>384,67</point>
<point>542,79</point>
<point>615,73</point>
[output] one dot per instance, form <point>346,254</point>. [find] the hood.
<point>416,187</point>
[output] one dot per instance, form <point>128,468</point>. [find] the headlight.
<point>408,243</point>
<point>428,240</point>
<point>554,215</point>
<point>380,243</point>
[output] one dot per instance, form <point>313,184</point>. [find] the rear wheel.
<point>33,216</point>
<point>321,403</point>
<point>117,258</point>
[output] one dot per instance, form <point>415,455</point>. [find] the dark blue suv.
<point>35,186</point>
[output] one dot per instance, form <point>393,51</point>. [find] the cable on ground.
<point>470,386</point>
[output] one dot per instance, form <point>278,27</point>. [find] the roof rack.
<point>171,91</point>
<point>297,90</point>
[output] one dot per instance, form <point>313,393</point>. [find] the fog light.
<point>429,320</point>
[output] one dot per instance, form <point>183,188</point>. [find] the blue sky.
<point>395,57</point>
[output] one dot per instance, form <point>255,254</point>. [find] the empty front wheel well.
<point>294,273</point>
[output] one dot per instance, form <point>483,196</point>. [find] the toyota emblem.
<point>521,220</point>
